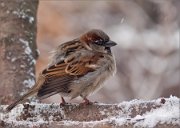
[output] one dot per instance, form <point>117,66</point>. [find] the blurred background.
<point>147,33</point>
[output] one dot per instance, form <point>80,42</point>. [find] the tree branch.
<point>159,113</point>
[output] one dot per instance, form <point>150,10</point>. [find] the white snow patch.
<point>31,19</point>
<point>27,48</point>
<point>38,52</point>
<point>138,117</point>
<point>168,111</point>
<point>23,14</point>
<point>13,59</point>
<point>29,83</point>
<point>22,66</point>
<point>102,112</point>
<point>33,61</point>
<point>28,51</point>
<point>32,74</point>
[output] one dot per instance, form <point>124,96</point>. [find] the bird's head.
<point>97,40</point>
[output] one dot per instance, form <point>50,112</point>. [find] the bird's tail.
<point>20,100</point>
<point>31,92</point>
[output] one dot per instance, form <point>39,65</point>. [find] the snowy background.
<point>147,33</point>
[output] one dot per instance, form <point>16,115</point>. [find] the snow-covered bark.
<point>18,50</point>
<point>161,113</point>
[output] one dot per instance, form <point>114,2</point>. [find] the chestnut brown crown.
<point>97,37</point>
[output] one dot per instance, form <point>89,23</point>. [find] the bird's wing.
<point>60,76</point>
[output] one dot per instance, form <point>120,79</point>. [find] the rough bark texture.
<point>123,115</point>
<point>18,49</point>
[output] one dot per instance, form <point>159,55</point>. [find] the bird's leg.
<point>86,102</point>
<point>63,102</point>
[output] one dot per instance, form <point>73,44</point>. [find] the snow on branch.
<point>161,113</point>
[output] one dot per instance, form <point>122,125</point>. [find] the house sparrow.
<point>78,68</point>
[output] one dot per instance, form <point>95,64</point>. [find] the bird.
<point>78,68</point>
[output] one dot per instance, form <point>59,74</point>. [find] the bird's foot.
<point>63,102</point>
<point>86,102</point>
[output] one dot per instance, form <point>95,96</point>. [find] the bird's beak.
<point>110,43</point>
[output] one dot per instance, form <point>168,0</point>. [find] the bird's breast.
<point>107,69</point>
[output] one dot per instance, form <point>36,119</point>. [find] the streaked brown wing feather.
<point>57,80</point>
<point>60,76</point>
<point>78,68</point>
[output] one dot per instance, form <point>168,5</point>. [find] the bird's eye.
<point>99,42</point>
